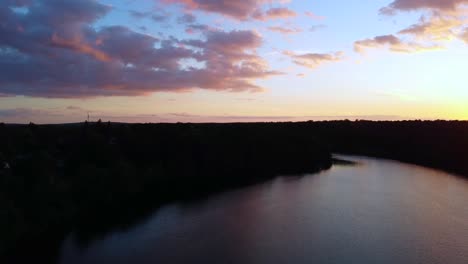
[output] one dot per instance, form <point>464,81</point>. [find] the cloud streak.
<point>391,42</point>
<point>314,60</point>
<point>285,30</point>
<point>313,15</point>
<point>274,13</point>
<point>409,5</point>
<point>67,115</point>
<point>240,10</point>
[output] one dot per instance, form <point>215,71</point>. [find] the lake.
<point>377,211</point>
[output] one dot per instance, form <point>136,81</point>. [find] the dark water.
<point>377,212</point>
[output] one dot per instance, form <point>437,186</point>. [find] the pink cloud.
<point>442,20</point>
<point>274,13</point>
<point>241,10</point>
<point>313,60</point>
<point>313,15</point>
<point>464,35</point>
<point>435,28</point>
<point>392,42</point>
<point>407,5</point>
<point>60,54</point>
<point>285,30</point>
<point>194,28</point>
<point>78,46</point>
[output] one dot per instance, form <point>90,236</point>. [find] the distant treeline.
<point>58,178</point>
<point>436,144</point>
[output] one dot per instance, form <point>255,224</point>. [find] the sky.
<point>232,61</point>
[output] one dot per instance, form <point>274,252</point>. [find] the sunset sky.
<point>230,61</point>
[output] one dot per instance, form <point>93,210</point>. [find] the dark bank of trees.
<point>437,144</point>
<point>91,177</point>
<point>56,178</point>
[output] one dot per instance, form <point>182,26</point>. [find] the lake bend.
<point>377,211</point>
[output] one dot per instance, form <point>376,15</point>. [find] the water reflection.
<point>378,212</point>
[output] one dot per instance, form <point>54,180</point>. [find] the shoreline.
<point>66,175</point>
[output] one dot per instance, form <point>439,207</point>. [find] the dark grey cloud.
<point>187,19</point>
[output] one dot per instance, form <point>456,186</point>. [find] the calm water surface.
<point>376,212</point>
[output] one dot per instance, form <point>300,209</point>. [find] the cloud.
<point>193,28</point>
<point>53,50</point>
<point>233,44</point>
<point>391,42</point>
<point>187,19</point>
<point>313,60</point>
<point>437,28</point>
<point>442,20</point>
<point>285,30</point>
<point>155,16</point>
<point>280,12</point>
<point>159,17</point>
<point>75,108</point>
<point>65,115</point>
<point>240,10</point>
<point>138,14</point>
<point>313,15</point>
<point>409,5</point>
<point>316,28</point>
<point>230,60</point>
<point>15,112</point>
<point>274,13</point>
<point>79,46</point>
<point>36,115</point>
<point>464,35</point>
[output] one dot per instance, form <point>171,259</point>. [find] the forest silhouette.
<point>94,177</point>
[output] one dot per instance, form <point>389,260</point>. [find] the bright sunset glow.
<point>231,61</point>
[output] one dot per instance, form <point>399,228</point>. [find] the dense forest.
<point>59,178</point>
<point>90,176</point>
<point>436,144</point>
